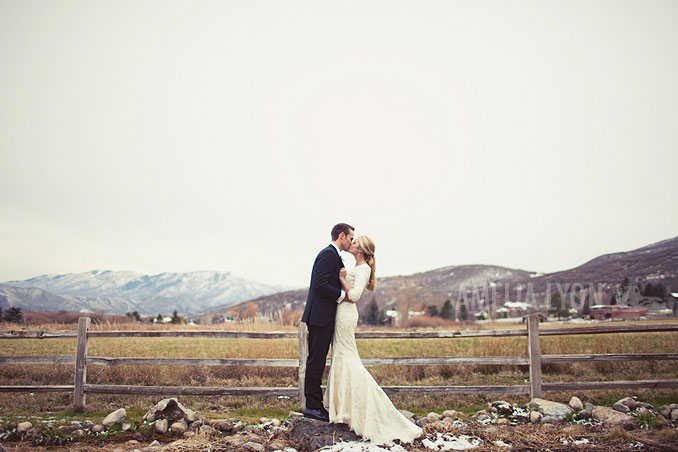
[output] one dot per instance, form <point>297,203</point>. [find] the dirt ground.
<point>530,437</point>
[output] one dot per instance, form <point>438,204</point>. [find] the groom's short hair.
<point>339,228</point>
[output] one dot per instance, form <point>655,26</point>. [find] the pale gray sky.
<point>231,135</point>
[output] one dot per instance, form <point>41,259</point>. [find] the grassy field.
<point>46,405</point>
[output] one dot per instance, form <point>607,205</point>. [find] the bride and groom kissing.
<point>352,396</point>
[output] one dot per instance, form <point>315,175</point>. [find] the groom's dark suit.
<point>319,315</point>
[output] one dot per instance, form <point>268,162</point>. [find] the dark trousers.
<point>319,339</point>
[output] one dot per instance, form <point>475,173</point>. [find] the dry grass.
<point>287,348</point>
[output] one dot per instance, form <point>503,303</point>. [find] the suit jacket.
<point>325,289</point>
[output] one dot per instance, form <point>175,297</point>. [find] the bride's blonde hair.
<point>367,245</point>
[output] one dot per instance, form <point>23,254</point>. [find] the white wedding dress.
<point>353,397</point>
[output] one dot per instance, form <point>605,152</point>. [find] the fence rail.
<point>534,360</point>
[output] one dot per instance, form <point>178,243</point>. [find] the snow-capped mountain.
<point>123,291</point>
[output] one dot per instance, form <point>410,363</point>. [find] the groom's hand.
<point>342,273</point>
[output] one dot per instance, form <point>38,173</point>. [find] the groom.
<point>324,295</point>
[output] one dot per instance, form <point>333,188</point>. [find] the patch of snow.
<point>449,442</point>
<point>362,446</point>
<point>581,441</point>
<point>500,443</point>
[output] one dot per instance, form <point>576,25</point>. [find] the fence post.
<point>80,365</point>
<point>303,356</point>
<point>534,354</point>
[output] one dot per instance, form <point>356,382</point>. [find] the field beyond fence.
<point>265,363</point>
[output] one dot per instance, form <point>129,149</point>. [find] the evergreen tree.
<point>586,310</point>
<point>136,316</point>
<point>463,313</point>
<point>175,317</point>
<point>433,311</point>
<point>373,313</point>
<point>14,315</point>
<point>613,300</point>
<point>556,306</point>
<point>0,313</point>
<point>159,318</point>
<point>660,291</point>
<point>648,290</point>
<point>447,312</point>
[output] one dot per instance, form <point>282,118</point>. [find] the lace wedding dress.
<point>353,397</point>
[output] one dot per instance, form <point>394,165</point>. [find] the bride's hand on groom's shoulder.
<point>342,273</point>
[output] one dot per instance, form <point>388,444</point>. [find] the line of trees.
<point>449,311</point>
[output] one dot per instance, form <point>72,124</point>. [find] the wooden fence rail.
<point>534,360</point>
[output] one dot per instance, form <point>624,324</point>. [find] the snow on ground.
<point>445,441</point>
<point>362,446</point>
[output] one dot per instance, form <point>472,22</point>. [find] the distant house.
<point>606,311</point>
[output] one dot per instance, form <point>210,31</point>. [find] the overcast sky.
<point>232,135</point>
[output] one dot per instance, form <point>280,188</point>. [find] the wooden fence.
<point>534,360</point>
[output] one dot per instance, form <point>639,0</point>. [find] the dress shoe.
<point>318,415</point>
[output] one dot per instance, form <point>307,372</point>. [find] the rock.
<point>433,417</point>
<point>502,421</point>
<point>223,425</point>
<point>501,407</point>
<point>155,443</point>
<point>132,443</point>
<point>207,430</point>
<point>673,406</point>
<point>179,428</point>
<point>661,420</point>
<point>535,416</point>
<point>409,415</point>
<point>549,408</point>
<point>449,420</point>
<point>309,434</point>
<point>423,421</point>
<point>481,415</point>
<point>276,422</point>
<point>171,410</point>
<point>450,413</point>
<point>264,420</point>
<point>127,426</point>
<point>674,415</point>
<point>621,408</point>
<point>295,414</point>
<point>116,417</point>
<point>23,427</point>
<point>548,426</point>
<point>584,414</point>
<point>548,419</point>
<point>195,426</point>
<point>644,412</point>
<point>188,434</point>
<point>79,433</point>
<point>277,444</point>
<point>161,426</point>
<point>256,447</point>
<point>629,402</point>
<point>665,411</point>
<point>98,428</point>
<point>610,416</point>
<point>575,404</point>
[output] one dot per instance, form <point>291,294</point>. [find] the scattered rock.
<point>161,426</point>
<point>433,417</point>
<point>501,407</point>
<point>295,414</point>
<point>450,413</point>
<point>576,404</point>
<point>127,426</point>
<point>502,421</point>
<point>207,430</point>
<point>132,443</point>
<point>535,416</point>
<point>116,417</point>
<point>449,420</point>
<point>549,408</point>
<point>661,420</point>
<point>256,447</point>
<point>674,415</point>
<point>309,434</point>
<point>277,444</point>
<point>98,428</point>
<point>621,408</point>
<point>79,433</point>
<point>172,410</point>
<point>629,402</point>
<point>276,422</point>
<point>644,412</point>
<point>188,434</point>
<point>610,416</point>
<point>548,419</point>
<point>179,428</point>
<point>23,427</point>
<point>423,421</point>
<point>665,411</point>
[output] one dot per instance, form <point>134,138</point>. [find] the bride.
<point>353,397</point>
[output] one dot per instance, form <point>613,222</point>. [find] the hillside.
<point>654,263</point>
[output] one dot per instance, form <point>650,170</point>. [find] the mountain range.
<point>118,292</point>
<point>213,293</point>
<point>656,263</point>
